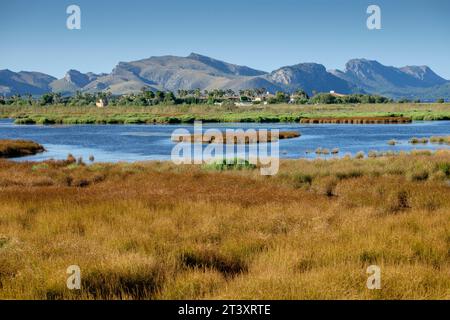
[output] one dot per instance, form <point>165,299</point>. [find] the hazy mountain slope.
<point>424,74</point>
<point>226,68</point>
<point>409,82</point>
<point>173,73</point>
<point>310,77</point>
<point>24,82</point>
<point>197,71</point>
<point>73,81</point>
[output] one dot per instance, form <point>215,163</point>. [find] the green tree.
<point>281,97</point>
<point>160,95</point>
<point>47,99</point>
<point>169,98</point>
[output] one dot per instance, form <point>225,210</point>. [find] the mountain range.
<point>171,73</point>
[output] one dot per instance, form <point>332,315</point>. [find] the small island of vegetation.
<point>238,138</point>
<point>19,148</point>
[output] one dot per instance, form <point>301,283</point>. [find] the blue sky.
<point>264,34</point>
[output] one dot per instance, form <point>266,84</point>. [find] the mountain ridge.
<point>171,73</point>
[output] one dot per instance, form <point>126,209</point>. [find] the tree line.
<point>148,97</point>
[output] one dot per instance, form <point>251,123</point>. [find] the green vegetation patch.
<point>230,164</point>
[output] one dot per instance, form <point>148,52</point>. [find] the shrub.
<point>392,142</point>
<point>372,154</point>
<point>444,167</point>
<point>335,151</point>
<point>359,155</point>
<point>71,159</point>
<point>226,164</point>
<point>440,140</point>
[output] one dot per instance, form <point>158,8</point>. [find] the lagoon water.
<point>113,143</point>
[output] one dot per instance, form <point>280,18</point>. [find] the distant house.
<point>101,103</point>
<point>259,100</point>
<point>293,98</point>
<point>262,98</point>
<point>335,94</point>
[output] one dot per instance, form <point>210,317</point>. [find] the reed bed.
<point>210,113</point>
<point>358,120</point>
<point>440,140</point>
<point>434,140</point>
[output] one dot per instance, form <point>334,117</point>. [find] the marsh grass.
<point>358,120</point>
<point>19,148</point>
<point>159,231</point>
<point>440,140</point>
<point>210,113</point>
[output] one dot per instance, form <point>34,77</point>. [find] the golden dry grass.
<point>159,231</point>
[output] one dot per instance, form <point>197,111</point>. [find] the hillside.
<point>172,73</point>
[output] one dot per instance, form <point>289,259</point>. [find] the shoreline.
<point>361,120</point>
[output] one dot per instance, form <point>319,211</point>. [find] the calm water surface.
<point>113,143</point>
